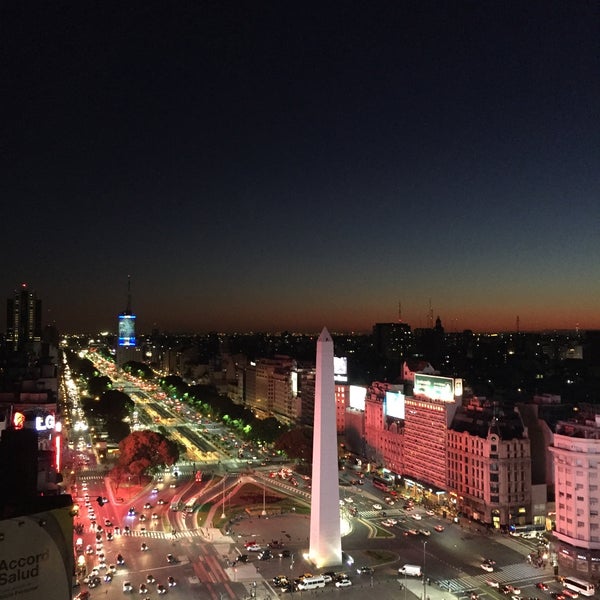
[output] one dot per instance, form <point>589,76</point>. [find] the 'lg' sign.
<point>45,423</point>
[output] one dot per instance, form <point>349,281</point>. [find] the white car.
<point>254,548</point>
<point>343,583</point>
<point>487,567</point>
<point>127,587</point>
<point>417,517</point>
<point>377,506</point>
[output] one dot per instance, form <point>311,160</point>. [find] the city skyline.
<point>269,168</point>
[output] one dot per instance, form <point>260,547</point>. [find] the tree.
<point>296,443</point>
<point>139,369</point>
<point>142,450</point>
<point>98,385</point>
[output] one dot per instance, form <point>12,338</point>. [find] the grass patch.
<point>381,555</point>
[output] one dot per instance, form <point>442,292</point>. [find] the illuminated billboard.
<point>126,330</point>
<point>340,369</point>
<point>434,387</point>
<point>36,555</point>
<point>358,394</point>
<point>394,405</point>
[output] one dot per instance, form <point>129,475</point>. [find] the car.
<point>89,549</point>
<point>417,517</point>
<point>126,530</point>
<point>570,594</point>
<point>377,506</point>
<point>144,547</point>
<point>425,532</point>
<point>365,570</point>
<point>439,528</point>
<point>132,512</point>
<point>285,554</point>
<point>150,578</point>
<point>515,598</point>
<point>108,577</point>
<point>340,583</point>
<point>161,589</point>
<point>493,584</point>
<point>171,559</point>
<point>142,517</point>
<point>109,537</point>
<point>147,505</point>
<point>143,589</point>
<point>254,548</point>
<point>120,559</point>
<point>94,582</point>
<point>84,595</point>
<point>160,501</point>
<point>487,567</point>
<point>171,581</point>
<point>430,513</point>
<point>542,586</point>
<point>412,531</point>
<point>154,516</point>
<point>107,523</point>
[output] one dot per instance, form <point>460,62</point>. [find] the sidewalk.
<point>414,585</point>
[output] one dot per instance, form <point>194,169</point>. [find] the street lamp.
<point>223,513</point>
<point>424,578</point>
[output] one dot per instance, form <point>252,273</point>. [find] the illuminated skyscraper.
<point>127,322</point>
<point>126,343</point>
<point>23,318</point>
<point>325,537</point>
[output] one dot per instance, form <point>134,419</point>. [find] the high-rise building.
<point>126,342</point>
<point>23,318</point>
<point>325,533</point>
<point>428,415</point>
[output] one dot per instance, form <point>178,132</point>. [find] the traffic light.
<point>100,501</point>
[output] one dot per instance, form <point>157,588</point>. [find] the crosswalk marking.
<point>508,574</point>
<point>163,535</point>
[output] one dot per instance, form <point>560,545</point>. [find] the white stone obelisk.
<point>325,538</point>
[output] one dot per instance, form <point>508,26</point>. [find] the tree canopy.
<point>144,450</point>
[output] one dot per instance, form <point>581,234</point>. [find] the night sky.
<point>274,166</point>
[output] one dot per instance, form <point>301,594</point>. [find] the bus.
<point>381,484</point>
<point>526,530</point>
<point>579,585</point>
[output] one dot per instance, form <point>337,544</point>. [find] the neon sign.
<point>45,423</point>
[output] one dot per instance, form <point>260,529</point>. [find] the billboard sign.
<point>434,387</point>
<point>340,369</point>
<point>36,556</point>
<point>126,330</point>
<point>394,405</point>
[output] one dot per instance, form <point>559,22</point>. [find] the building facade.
<point>23,318</point>
<point>576,453</point>
<point>489,465</point>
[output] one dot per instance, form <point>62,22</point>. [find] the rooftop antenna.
<point>128,309</point>
<point>430,316</point>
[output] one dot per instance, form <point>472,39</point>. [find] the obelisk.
<point>325,538</point>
